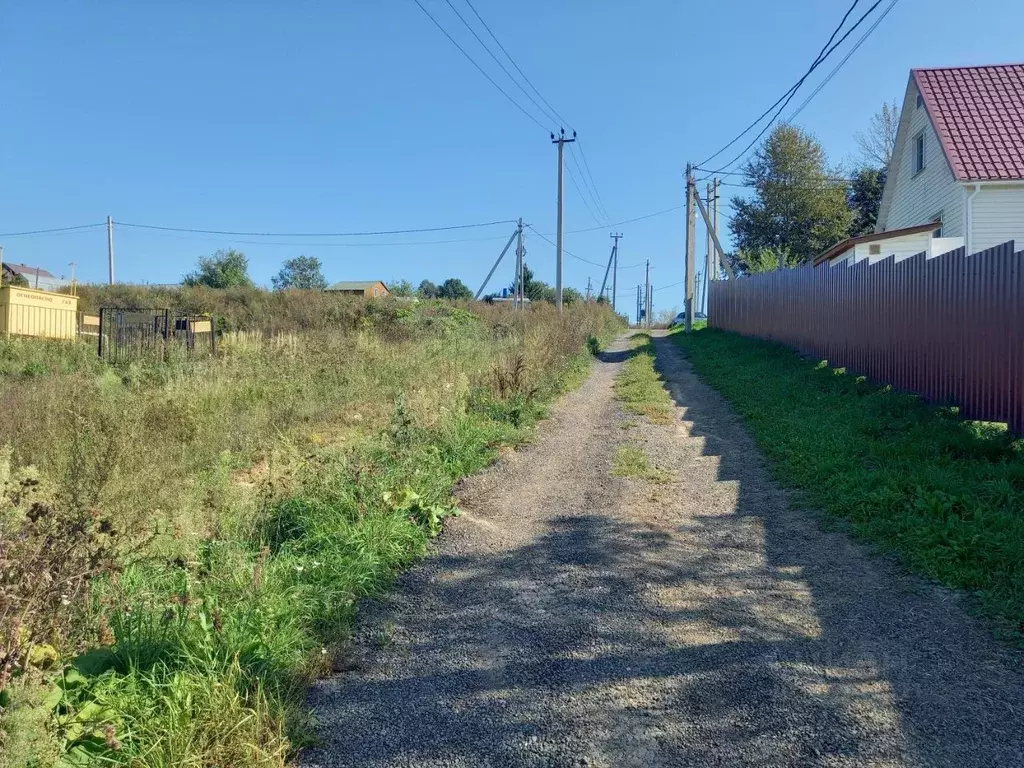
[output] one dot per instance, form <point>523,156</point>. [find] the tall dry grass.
<point>214,522</point>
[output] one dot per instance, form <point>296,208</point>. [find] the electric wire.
<point>787,93</point>
<point>481,69</point>
<point>845,59</point>
<point>564,250</point>
<point>52,230</point>
<point>317,234</point>
<point>793,91</point>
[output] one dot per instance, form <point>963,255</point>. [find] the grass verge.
<point>946,496</point>
<point>639,387</point>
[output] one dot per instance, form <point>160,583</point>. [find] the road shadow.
<point>696,627</point>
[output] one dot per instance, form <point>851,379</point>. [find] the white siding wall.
<point>900,247</point>
<point>916,199</point>
<point>998,216</point>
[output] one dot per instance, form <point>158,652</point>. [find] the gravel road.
<point>574,618</point>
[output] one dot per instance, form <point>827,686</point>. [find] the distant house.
<point>35,277</point>
<point>898,243</point>
<point>958,164</point>
<point>369,289</point>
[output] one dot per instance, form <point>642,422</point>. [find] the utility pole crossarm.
<point>714,236</point>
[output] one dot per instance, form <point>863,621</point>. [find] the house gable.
<point>911,196</point>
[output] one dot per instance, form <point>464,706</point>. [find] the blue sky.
<point>355,116</point>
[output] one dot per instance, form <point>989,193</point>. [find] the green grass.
<point>944,495</point>
<point>638,385</point>
<point>220,519</point>
<point>631,461</point>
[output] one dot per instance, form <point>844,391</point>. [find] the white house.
<point>899,243</point>
<point>959,157</point>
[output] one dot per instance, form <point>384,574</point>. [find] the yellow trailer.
<point>28,312</point>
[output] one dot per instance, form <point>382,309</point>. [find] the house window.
<point>875,249</point>
<point>937,219</point>
<point>919,152</point>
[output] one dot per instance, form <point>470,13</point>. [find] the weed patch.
<point>631,461</point>
<point>638,385</point>
<point>945,495</point>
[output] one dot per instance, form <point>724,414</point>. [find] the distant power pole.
<point>615,268</point>
<point>589,288</point>
<point>638,306</point>
<point>73,291</point>
<point>714,214</point>
<point>561,141</point>
<point>647,297</point>
<point>110,247</point>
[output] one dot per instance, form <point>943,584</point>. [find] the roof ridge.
<point>969,66</point>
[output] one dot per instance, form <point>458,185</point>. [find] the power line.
<point>494,37</point>
<point>593,183</point>
<point>54,229</point>
<point>498,61</point>
<point>572,178</point>
<point>626,221</point>
<point>587,176</point>
<point>481,69</point>
<point>792,92</point>
<point>315,234</point>
<point>845,59</point>
<point>564,250</point>
<point>307,244</point>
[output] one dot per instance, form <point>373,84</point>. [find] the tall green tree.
<point>224,269</point>
<point>799,207</point>
<point>301,272</point>
<point>534,289</point>
<point>454,289</point>
<point>401,288</point>
<point>427,290</point>
<point>865,199</point>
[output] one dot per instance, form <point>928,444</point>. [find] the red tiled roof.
<point>978,113</point>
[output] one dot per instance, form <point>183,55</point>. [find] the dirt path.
<point>573,618</point>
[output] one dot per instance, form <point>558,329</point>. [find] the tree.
<point>224,269</point>
<point>799,207</point>
<point>454,289</point>
<point>401,288</point>
<point>302,272</point>
<point>15,279</point>
<point>534,289</point>
<point>877,143</point>
<point>427,290</point>
<point>865,199</point>
<point>571,296</point>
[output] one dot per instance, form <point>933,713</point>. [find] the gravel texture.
<point>573,618</point>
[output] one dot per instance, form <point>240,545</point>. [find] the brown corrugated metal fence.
<point>950,328</point>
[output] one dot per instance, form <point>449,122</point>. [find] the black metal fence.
<point>136,334</point>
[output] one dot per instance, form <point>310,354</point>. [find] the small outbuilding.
<point>369,289</point>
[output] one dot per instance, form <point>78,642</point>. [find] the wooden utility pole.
<point>691,233</point>
<point>561,141</point>
<point>74,292</point>
<point>110,247</point>
<point>615,268</point>
<point>589,288</point>
<point>638,318</point>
